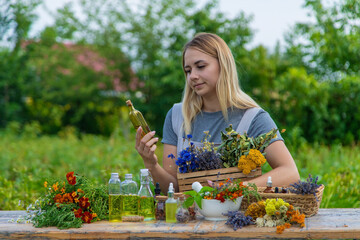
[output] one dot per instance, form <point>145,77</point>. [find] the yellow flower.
<point>251,161</point>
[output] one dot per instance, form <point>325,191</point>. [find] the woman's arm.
<point>146,147</point>
<point>284,171</point>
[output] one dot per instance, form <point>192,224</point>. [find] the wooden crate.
<point>186,179</point>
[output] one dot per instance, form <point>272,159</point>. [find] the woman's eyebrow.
<point>198,61</point>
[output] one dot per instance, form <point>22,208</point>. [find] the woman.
<point>212,100</point>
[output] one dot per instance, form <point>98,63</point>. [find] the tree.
<point>15,20</point>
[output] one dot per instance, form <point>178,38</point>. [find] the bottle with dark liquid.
<point>137,119</point>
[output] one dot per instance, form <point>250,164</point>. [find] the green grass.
<point>26,162</point>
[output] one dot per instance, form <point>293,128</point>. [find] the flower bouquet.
<point>70,203</point>
<point>238,156</point>
<point>275,212</point>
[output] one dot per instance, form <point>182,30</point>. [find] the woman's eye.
<point>202,66</point>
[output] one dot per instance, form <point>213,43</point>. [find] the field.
<point>27,161</point>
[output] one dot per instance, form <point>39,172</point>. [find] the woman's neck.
<point>211,105</point>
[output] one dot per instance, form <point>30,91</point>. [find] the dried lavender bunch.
<point>208,160</point>
<point>309,186</point>
<point>237,219</point>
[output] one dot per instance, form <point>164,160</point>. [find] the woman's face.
<point>202,72</point>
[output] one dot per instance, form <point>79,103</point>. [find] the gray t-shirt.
<point>214,122</point>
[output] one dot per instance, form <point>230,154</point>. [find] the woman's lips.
<point>198,85</point>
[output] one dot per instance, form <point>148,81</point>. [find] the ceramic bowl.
<point>213,209</point>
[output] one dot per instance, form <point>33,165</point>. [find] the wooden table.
<point>328,223</point>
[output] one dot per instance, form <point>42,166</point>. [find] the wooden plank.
<point>328,223</point>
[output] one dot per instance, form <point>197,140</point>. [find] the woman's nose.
<point>193,75</point>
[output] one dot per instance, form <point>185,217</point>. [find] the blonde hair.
<point>228,90</point>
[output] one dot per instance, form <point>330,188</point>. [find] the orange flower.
<point>287,225</point>
<point>55,186</point>
<point>45,184</point>
<point>76,200</point>
<point>94,215</point>
<point>80,191</point>
<point>280,229</point>
<point>58,198</point>
<point>73,194</point>
<point>67,198</point>
<point>62,190</point>
<point>71,178</point>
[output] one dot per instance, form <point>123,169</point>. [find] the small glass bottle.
<point>129,197</point>
<point>137,119</point>
<point>268,188</point>
<point>160,209</point>
<point>182,214</point>
<point>114,198</point>
<point>147,206</point>
<point>171,206</point>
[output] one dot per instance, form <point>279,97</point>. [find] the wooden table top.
<point>338,223</point>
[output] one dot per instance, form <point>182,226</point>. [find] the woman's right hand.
<point>146,147</point>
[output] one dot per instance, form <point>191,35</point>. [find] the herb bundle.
<point>69,204</point>
<point>237,219</point>
<point>192,158</point>
<point>309,186</point>
<point>235,149</point>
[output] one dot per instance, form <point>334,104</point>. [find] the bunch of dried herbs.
<point>235,145</point>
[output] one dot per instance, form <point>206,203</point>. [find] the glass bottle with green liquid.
<point>170,206</point>
<point>147,205</point>
<point>114,198</point>
<point>137,119</point>
<point>129,197</point>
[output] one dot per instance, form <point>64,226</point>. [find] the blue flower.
<point>171,156</point>
<point>189,136</point>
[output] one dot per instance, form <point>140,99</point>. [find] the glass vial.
<point>268,188</point>
<point>182,213</point>
<point>147,206</point>
<point>171,206</point>
<point>129,197</point>
<point>114,198</point>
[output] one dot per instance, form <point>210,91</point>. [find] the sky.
<point>271,18</point>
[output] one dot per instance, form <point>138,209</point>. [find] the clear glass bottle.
<point>114,198</point>
<point>129,197</point>
<point>268,188</point>
<point>147,206</point>
<point>137,118</point>
<point>171,206</point>
<point>182,213</point>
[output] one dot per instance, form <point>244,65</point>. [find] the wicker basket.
<point>308,204</point>
<point>186,179</point>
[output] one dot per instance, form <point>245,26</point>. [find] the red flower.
<point>84,202</point>
<point>71,178</point>
<point>78,213</point>
<point>87,217</point>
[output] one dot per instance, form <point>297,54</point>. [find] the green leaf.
<point>188,202</point>
<point>206,189</point>
<point>198,199</point>
<point>191,193</point>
